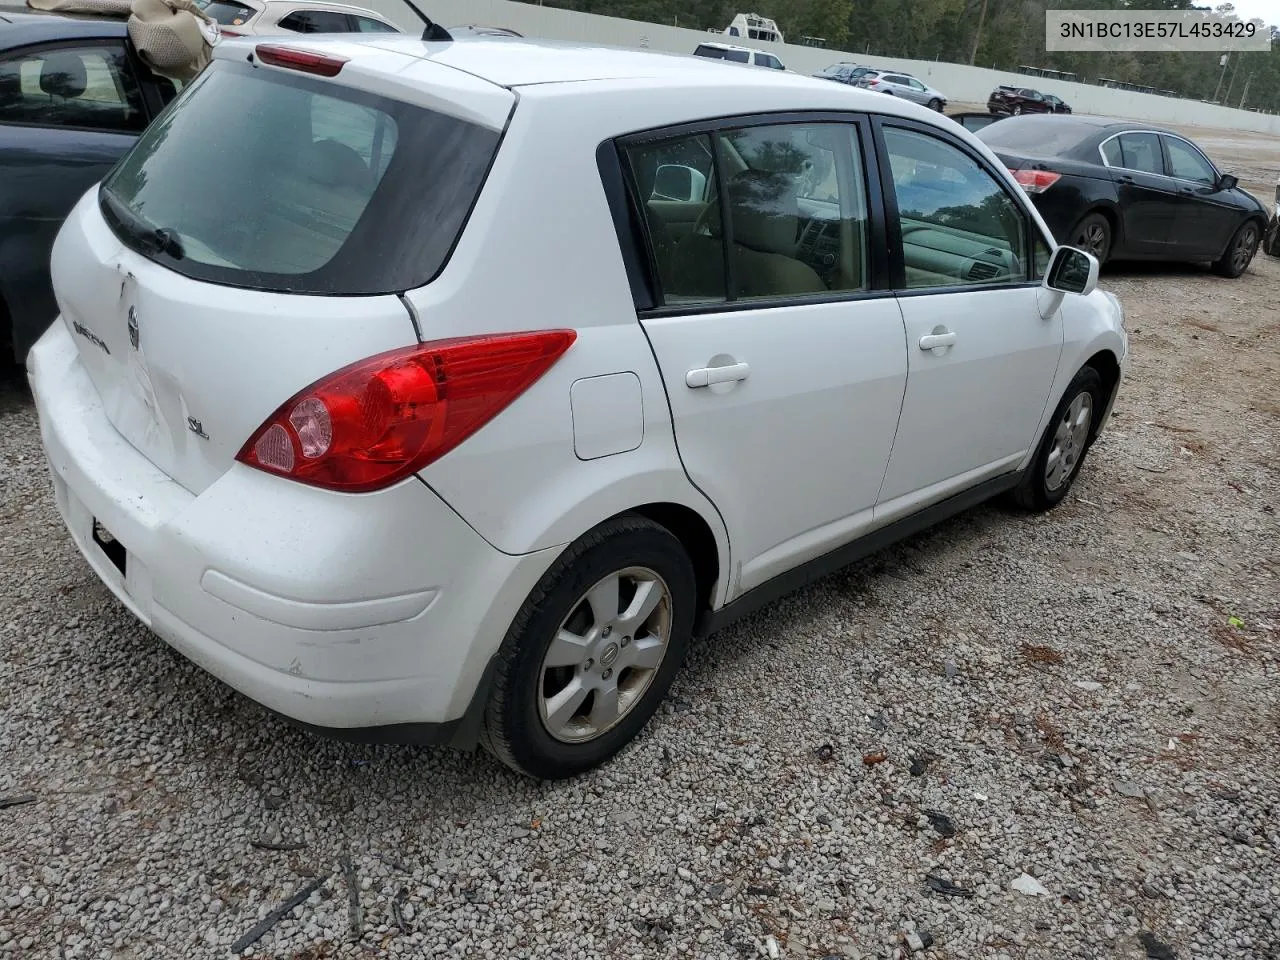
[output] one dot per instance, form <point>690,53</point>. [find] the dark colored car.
<point>1016,101</point>
<point>1059,105</point>
<point>1129,191</point>
<point>73,97</point>
<point>849,73</point>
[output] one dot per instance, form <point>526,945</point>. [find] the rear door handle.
<point>932,340</point>
<point>705,376</point>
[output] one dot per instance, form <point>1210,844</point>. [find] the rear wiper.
<point>160,239</point>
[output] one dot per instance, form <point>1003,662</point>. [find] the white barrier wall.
<point>957,81</point>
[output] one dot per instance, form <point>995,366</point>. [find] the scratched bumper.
<point>335,610</point>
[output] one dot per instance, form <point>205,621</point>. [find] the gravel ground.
<point>1061,705</point>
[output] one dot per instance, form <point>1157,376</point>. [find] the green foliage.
<point>1012,34</point>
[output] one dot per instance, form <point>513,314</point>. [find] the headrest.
<point>62,74</point>
<point>766,211</point>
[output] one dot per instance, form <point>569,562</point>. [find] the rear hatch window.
<point>276,181</point>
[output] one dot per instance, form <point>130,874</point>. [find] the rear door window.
<point>369,25</point>
<point>316,21</point>
<point>79,86</point>
<point>338,191</point>
<point>737,56</point>
<point>1141,151</point>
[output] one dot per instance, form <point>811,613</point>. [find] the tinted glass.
<point>796,199</point>
<point>82,87</point>
<point>1187,164</point>
<point>337,191</point>
<point>368,25</point>
<point>958,225</point>
<point>737,56</point>
<point>1111,151</point>
<point>1141,151</point>
<point>1037,136</point>
<point>715,53</point>
<point>316,21</point>
<point>228,12</point>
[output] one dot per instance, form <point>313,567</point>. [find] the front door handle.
<point>705,376</point>
<point>931,341</point>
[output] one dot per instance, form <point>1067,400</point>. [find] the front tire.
<point>935,104</point>
<point>1240,251</point>
<point>1017,110</point>
<point>1063,447</point>
<point>593,651</point>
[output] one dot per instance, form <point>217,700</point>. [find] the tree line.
<point>1003,34</point>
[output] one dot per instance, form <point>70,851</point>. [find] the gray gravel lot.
<point>1065,694</point>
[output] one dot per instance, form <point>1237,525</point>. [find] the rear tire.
<point>576,633</point>
<point>1066,440</point>
<point>1093,235</point>
<point>1240,251</point>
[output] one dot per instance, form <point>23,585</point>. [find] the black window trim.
<point>898,268</point>
<point>141,77</point>
<point>626,209</point>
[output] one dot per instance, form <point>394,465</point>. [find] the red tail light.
<point>1036,181</point>
<point>379,420</point>
<point>320,64</point>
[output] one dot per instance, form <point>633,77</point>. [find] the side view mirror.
<point>674,181</point>
<point>1227,182</point>
<point>1072,271</point>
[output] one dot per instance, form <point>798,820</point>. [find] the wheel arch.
<point>698,540</point>
<point>1108,366</point>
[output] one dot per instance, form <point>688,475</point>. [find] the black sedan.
<point>73,98</point>
<point>1129,191</point>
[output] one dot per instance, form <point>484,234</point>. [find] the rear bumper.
<point>334,610</point>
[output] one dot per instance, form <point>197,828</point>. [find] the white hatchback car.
<point>509,367</point>
<point>238,18</point>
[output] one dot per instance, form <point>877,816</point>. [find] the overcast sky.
<point>1268,10</point>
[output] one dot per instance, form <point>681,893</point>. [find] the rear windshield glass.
<point>335,191</point>
<point>228,12</point>
<point>1039,136</point>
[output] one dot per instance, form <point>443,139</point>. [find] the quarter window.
<point>369,25</point>
<point>795,199</point>
<point>1185,162</point>
<point>958,224</point>
<point>83,87</point>
<point>316,21</point>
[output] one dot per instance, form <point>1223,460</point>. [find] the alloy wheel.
<point>1069,441</point>
<point>605,655</point>
<point>1094,240</point>
<point>1244,250</point>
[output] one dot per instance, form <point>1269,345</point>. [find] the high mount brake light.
<point>379,420</point>
<point>322,65</point>
<point>1036,181</point>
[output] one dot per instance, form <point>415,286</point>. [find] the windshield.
<point>336,191</point>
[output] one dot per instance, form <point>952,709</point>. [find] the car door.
<point>1205,216</point>
<point>918,91</point>
<point>1146,197</point>
<point>981,358</point>
<point>68,111</point>
<point>782,355</point>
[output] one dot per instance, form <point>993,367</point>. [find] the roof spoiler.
<point>431,30</point>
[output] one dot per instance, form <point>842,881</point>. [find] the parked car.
<point>1016,101</point>
<point>732,54</point>
<point>973,122</point>
<point>903,85</point>
<point>299,431</point>
<point>74,95</point>
<point>266,17</point>
<point>1130,191</point>
<point>1057,103</point>
<point>848,73</point>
